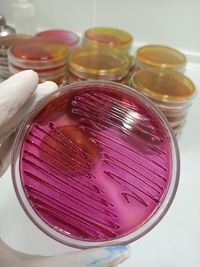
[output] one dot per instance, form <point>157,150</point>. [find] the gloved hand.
<point>18,95</point>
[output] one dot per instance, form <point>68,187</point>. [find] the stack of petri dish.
<point>111,37</point>
<point>98,63</point>
<point>5,43</point>
<point>47,58</point>
<point>71,39</point>
<point>171,91</point>
<point>160,57</point>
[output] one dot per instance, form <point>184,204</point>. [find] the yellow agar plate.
<point>158,56</point>
<point>109,36</point>
<point>93,62</point>
<point>164,86</point>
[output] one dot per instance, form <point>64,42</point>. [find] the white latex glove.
<point>18,95</point>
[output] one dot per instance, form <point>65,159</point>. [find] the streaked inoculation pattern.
<point>96,164</point>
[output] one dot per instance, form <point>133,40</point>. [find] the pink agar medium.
<point>95,165</point>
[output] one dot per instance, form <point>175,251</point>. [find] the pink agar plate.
<point>95,164</point>
<point>71,39</point>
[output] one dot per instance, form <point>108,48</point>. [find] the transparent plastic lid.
<point>169,86</point>
<point>93,62</point>
<point>160,57</point>
<point>38,52</point>
<point>109,36</point>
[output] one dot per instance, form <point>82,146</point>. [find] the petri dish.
<point>71,39</point>
<point>106,36</point>
<point>3,61</point>
<point>174,124</point>
<point>4,72</point>
<point>95,164</point>
<point>97,63</point>
<point>38,53</point>
<point>171,91</point>
<point>158,56</point>
<point>42,72</point>
<point>175,117</point>
<point>168,87</point>
<point>7,41</point>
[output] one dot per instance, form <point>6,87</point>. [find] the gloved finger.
<point>12,124</point>
<point>44,89</point>
<point>5,154</point>
<point>99,257</point>
<point>14,92</point>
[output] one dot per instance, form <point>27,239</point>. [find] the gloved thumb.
<point>17,98</point>
<point>16,114</point>
<point>15,91</point>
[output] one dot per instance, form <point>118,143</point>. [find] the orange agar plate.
<point>164,86</point>
<point>99,63</point>
<point>158,56</point>
<point>37,49</point>
<point>109,36</point>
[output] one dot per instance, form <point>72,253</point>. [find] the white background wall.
<point>171,22</point>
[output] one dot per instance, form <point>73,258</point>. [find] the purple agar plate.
<point>95,164</point>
